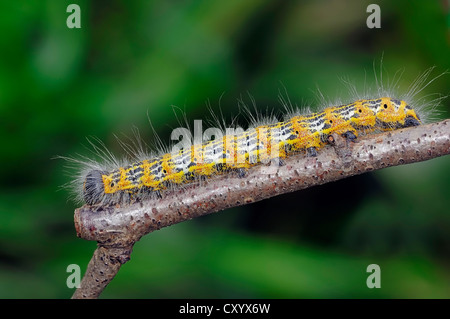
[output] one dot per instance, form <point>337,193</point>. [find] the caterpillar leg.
<point>150,190</point>
<point>157,194</point>
<point>278,161</point>
<point>241,172</point>
<point>350,136</point>
<point>325,138</point>
<point>411,121</point>
<point>311,151</point>
<point>190,176</point>
<point>220,167</point>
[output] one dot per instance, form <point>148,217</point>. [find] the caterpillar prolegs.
<point>242,150</point>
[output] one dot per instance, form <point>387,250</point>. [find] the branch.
<point>116,229</point>
<point>102,268</point>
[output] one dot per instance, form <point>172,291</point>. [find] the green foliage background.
<point>133,58</point>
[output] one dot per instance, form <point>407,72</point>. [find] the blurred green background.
<point>133,58</point>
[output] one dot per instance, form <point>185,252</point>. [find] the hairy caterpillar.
<point>150,175</point>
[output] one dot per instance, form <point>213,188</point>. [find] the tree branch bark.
<point>117,228</point>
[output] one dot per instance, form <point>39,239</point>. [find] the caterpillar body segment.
<point>240,151</point>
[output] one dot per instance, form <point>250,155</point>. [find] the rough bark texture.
<point>103,267</point>
<point>116,229</point>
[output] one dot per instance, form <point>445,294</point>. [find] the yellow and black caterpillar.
<point>245,149</point>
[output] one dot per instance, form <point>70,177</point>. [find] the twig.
<point>116,229</point>
<point>103,267</point>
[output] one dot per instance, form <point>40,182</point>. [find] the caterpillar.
<point>235,152</point>
<point>249,148</point>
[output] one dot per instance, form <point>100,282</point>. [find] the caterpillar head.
<point>93,188</point>
<point>394,113</point>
